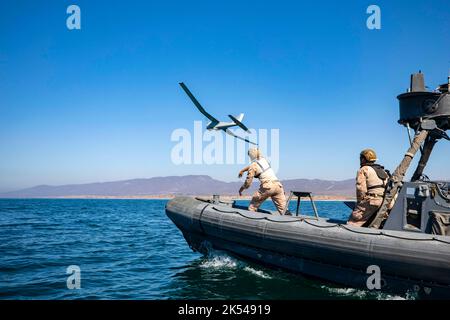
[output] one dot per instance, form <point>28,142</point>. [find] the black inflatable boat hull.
<point>408,262</point>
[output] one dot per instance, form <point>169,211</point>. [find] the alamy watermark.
<point>199,146</point>
<point>374,281</point>
<point>373,22</point>
<point>73,22</point>
<point>74,278</point>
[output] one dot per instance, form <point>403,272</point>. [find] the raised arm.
<point>242,171</point>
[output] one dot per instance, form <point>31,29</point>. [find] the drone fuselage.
<point>220,126</point>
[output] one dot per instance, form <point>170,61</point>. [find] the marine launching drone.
<point>216,124</point>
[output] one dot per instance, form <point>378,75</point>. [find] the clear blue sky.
<point>100,103</point>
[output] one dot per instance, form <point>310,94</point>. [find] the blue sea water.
<point>129,249</point>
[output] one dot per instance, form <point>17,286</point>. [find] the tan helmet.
<point>369,155</point>
<point>254,153</point>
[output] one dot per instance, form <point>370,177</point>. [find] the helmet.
<point>369,155</point>
<point>254,153</point>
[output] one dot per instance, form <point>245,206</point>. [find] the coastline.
<point>169,197</point>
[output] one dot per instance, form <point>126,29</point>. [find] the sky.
<point>101,103</point>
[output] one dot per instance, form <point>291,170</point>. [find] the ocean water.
<point>129,249</point>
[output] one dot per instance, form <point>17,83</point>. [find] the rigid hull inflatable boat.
<point>407,242</point>
<point>320,247</point>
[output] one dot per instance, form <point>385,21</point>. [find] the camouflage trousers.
<point>268,189</point>
<point>364,211</point>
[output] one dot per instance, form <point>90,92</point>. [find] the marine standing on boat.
<point>270,185</point>
<point>371,182</point>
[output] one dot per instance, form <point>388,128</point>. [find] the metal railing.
<point>299,195</point>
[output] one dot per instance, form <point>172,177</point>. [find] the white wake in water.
<point>217,260</point>
<point>364,294</point>
<point>258,273</point>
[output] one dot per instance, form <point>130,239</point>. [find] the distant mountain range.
<point>177,185</point>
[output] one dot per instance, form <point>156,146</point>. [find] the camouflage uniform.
<point>369,193</point>
<point>270,186</point>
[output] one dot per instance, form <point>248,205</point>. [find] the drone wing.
<point>238,122</point>
<point>197,104</point>
<point>238,137</point>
